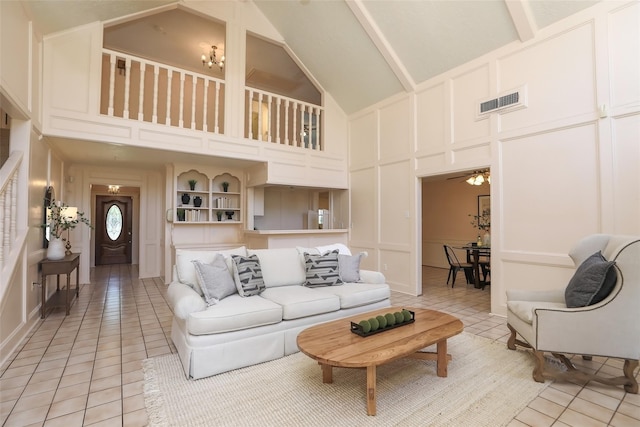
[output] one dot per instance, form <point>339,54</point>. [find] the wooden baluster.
<point>154,116</point>
<point>278,106</point>
<point>250,118</point>
<point>5,236</point>
<point>143,69</point>
<point>181,109</point>
<point>205,104</point>
<point>269,101</point>
<point>303,108</point>
<point>167,120</point>
<point>112,83</point>
<point>294,125</point>
<point>318,127</point>
<point>127,87</point>
<point>216,116</point>
<point>286,122</point>
<point>13,210</point>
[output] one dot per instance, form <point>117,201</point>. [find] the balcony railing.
<point>282,120</point>
<point>148,91</point>
<point>138,89</point>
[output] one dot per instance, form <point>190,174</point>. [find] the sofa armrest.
<point>184,300</point>
<point>555,295</point>
<point>369,276</point>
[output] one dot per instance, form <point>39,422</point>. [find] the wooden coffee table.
<point>333,344</point>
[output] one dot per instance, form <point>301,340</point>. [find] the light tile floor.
<point>86,368</point>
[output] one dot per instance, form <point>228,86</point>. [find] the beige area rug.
<point>487,385</point>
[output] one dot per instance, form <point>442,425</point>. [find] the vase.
<point>197,201</point>
<point>185,199</point>
<point>486,239</point>
<point>55,250</point>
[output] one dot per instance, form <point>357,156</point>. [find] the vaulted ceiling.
<point>362,51</point>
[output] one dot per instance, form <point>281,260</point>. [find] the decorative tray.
<point>363,330</point>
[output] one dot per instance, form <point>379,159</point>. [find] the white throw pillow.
<point>339,246</point>
<point>215,279</point>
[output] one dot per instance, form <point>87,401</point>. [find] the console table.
<point>64,266</point>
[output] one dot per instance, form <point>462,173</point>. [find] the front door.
<point>113,230</point>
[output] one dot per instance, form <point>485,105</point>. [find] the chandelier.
<point>114,189</point>
<point>212,59</point>
<point>479,178</point>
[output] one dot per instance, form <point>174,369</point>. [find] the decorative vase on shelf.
<point>229,215</point>
<point>197,201</point>
<point>185,199</point>
<point>219,215</point>
<point>225,186</point>
<point>55,250</point>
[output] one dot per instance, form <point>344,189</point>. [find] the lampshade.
<point>69,212</point>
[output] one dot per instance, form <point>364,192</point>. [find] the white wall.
<point>561,168</point>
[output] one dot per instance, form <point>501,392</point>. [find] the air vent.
<point>511,100</point>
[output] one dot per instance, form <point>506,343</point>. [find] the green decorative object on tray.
<point>382,323</point>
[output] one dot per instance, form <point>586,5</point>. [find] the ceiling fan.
<point>477,177</point>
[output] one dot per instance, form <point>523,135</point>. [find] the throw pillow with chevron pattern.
<point>248,275</point>
<point>322,270</point>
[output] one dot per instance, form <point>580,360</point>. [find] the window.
<point>114,222</point>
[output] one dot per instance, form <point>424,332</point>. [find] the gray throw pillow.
<point>322,270</point>
<point>248,275</point>
<point>214,279</point>
<point>349,266</point>
<point>592,282</point>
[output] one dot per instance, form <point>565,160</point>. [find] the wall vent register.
<point>510,100</point>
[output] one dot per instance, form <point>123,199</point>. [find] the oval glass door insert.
<point>114,222</point>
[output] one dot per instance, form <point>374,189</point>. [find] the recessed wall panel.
<point>397,267</point>
<point>560,76</point>
<point>626,175</point>
<point>431,119</point>
<point>550,190</point>
<point>395,130</point>
<point>395,194</point>
<point>624,48</point>
<point>69,67</point>
<point>363,205</point>
<point>363,140</point>
<point>468,89</point>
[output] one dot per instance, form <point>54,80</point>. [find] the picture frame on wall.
<point>484,204</point>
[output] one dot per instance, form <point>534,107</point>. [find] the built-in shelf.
<point>213,198</point>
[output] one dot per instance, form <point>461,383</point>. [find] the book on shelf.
<point>223,203</point>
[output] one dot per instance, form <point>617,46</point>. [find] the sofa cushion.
<point>234,313</point>
<point>299,301</point>
<point>186,270</point>
<point>322,270</point>
<point>215,279</point>
<point>357,294</point>
<point>349,266</point>
<point>594,279</point>
<point>280,267</point>
<point>247,275</point>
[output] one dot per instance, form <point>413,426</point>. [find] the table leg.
<point>68,292</point>
<point>476,268</point>
<point>78,281</point>
<point>43,296</point>
<point>442,358</point>
<point>371,390</point>
<point>327,373</point>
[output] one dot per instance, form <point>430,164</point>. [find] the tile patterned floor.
<point>86,368</point>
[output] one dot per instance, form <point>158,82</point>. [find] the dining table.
<point>474,252</point>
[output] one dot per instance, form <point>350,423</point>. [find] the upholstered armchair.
<point>609,328</point>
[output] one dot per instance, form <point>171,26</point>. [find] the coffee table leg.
<point>371,390</point>
<point>442,359</point>
<point>327,374</point>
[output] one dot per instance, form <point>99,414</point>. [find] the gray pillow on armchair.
<point>592,282</point>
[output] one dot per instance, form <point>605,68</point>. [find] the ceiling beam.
<point>373,31</point>
<point>522,18</point>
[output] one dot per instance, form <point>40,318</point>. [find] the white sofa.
<point>240,331</point>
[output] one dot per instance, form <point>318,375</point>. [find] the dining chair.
<point>455,265</point>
